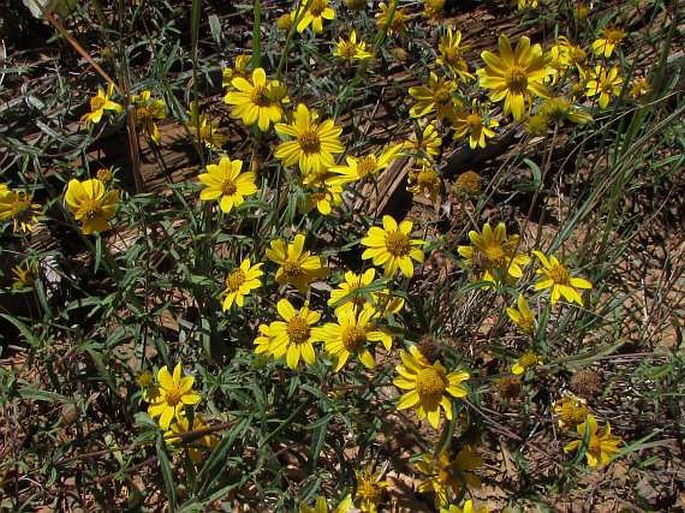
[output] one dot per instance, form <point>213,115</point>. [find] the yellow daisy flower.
<point>570,410</point>
<point>314,144</point>
<point>429,386</point>
<point>204,130</point>
<point>554,275</point>
<point>349,50</point>
<point>445,476</point>
<point>609,40</point>
<point>175,393</point>
<point>392,19</point>
<point>297,267</point>
<point>514,75</point>
<point>325,193</point>
<point>559,109</point>
<point>392,248</point>
<point>358,291</point>
<point>240,283</point>
<point>18,207</point>
<point>148,388</point>
<point>522,316</point>
<point>239,69</point>
<point>180,433</point>
<point>257,101</point>
<point>451,55</point>
<point>475,126</point>
<point>526,4</point>
<point>527,360</point>
<point>24,275</point>
<point>99,104</point>
<point>562,55</point>
<point>424,179</point>
<point>146,111</point>
<point>468,508</point>
<point>91,204</point>
<point>321,506</point>
<point>433,9</point>
<point>601,447</point>
<point>225,182</point>
<point>358,168</point>
<point>350,335</point>
<point>492,253</point>
<point>640,87</point>
<point>605,83</point>
<point>294,336</point>
<point>436,96</point>
<point>370,490</point>
<point>313,12</point>
<point>426,141</point>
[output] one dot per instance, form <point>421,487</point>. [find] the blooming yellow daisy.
<point>392,19</point>
<point>554,275</point>
<point>601,446</point>
<point>451,55</point>
<point>359,290</point>
<point>640,87</point>
<point>313,12</point>
<point>91,204</point>
<point>562,55</point>
<point>314,144</point>
<point>609,40</point>
<point>436,96</point>
<point>297,267</point>
<point>349,50</point>
<point>18,207</point>
<point>426,142</point>
<point>174,394</point>
<point>492,254</point>
<point>294,336</point>
<point>446,475</point>
<point>605,83</point>
<point>392,248</point>
<point>428,386</point>
<point>358,168</point>
<point>527,360</point>
<point>240,283</point>
<point>181,432</point>
<point>371,490</point>
<point>25,274</point>
<point>323,193</point>
<point>146,111</point>
<point>99,104</point>
<point>350,336</point>
<point>514,75</point>
<point>475,126</point>
<point>257,101</point>
<point>522,315</point>
<point>225,182</point>
<point>570,410</point>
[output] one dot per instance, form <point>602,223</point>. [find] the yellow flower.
<point>475,125</point>
<point>313,12</point>
<point>264,342</point>
<point>514,75</point>
<point>522,316</point>
<point>392,19</point>
<point>601,446</point>
<point>467,184</point>
<point>350,336</point>
<point>297,267</point>
<point>429,386</point>
<point>146,111</point>
<point>528,360</point>
<point>392,248</point>
<point>225,182</point>
<point>91,204</point>
<point>451,55</point>
<point>468,508</point>
<point>526,4</point>
<point>325,193</point>
<point>640,87</point>
<point>562,55</point>
<point>294,337</point>
<point>105,175</point>
<point>610,39</point>
<point>18,206</point>
<point>570,410</point>
<point>321,506</point>
<point>204,130</point>
<point>437,95</point>
<point>433,9</point>
<point>425,141</point>
<point>314,144</point>
<point>257,101</point>
<point>99,104</point>
<point>175,393</point>
<point>492,254</point>
<point>358,290</point>
<point>370,490</point>
<point>146,382</point>
<point>285,21</point>
<point>560,109</point>
<point>358,168</point>
<point>446,476</point>
<point>554,275</point>
<point>350,50</point>
<point>425,180</point>
<point>605,83</point>
<point>25,274</point>
<point>239,69</point>
<point>240,283</point>
<point>183,432</point>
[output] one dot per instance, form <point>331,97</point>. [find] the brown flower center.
<point>292,270</point>
<point>559,274</point>
<point>89,209</point>
<point>317,7</point>
<point>310,142</point>
<point>228,187</point>
<point>353,337</point>
<point>517,81</point>
<point>235,280</point>
<point>397,243</point>
<point>366,165</point>
<point>259,96</point>
<point>430,383</point>
<point>173,396</point>
<point>298,330</point>
<point>474,121</point>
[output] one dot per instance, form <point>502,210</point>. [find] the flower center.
<point>613,35</point>
<point>235,280</point>
<point>228,187</point>
<point>430,383</point>
<point>317,7</point>
<point>494,252</point>
<point>89,209</point>
<point>97,102</point>
<point>559,275</point>
<point>428,179</point>
<point>310,142</point>
<point>517,81</point>
<point>474,121</point>
<point>528,360</point>
<point>259,96</point>
<point>442,95</point>
<point>353,337</point>
<point>298,330</point>
<point>366,165</point>
<point>292,270</point>
<point>368,491</point>
<point>451,55</point>
<point>173,396</point>
<point>397,244</point>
